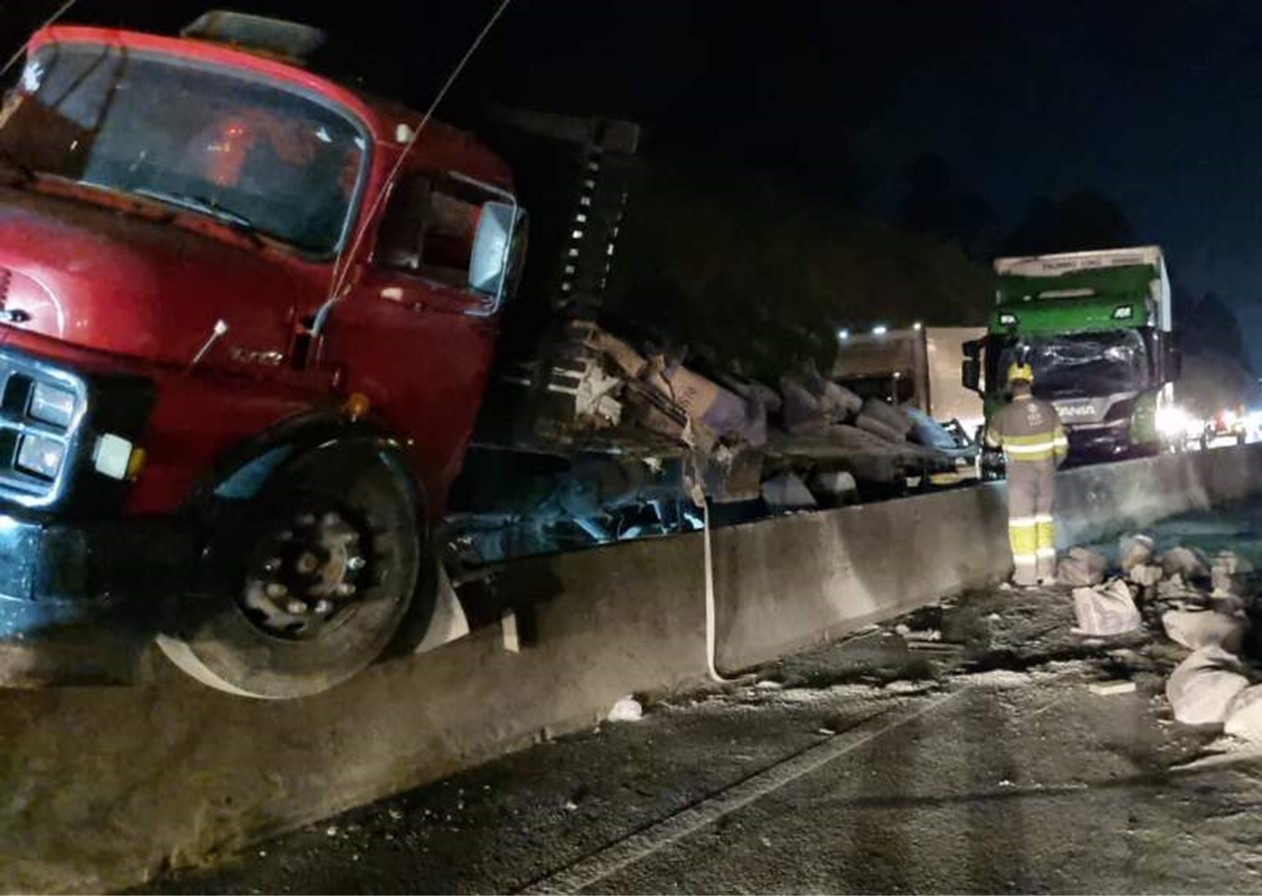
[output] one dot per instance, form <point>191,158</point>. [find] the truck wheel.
<point>308,583</point>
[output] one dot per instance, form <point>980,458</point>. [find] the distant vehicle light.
<point>917,326</point>
<point>880,330</point>
<point>1007,320</point>
<point>1174,421</point>
<point>843,334</point>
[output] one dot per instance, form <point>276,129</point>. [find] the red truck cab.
<point>246,323</point>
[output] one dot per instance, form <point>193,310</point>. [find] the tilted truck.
<point>1097,329</point>
<point>246,325</point>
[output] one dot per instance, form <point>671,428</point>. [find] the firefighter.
<point>1034,445</point>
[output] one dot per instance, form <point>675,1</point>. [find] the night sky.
<point>1157,105</point>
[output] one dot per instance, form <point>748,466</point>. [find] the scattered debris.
<point>1223,572</point>
<point>909,634</point>
<point>1174,587</point>
<point>768,685</point>
<point>1202,628</point>
<point>1244,716</point>
<point>570,806</point>
<point>1109,688</point>
<point>1133,551</point>
<point>1202,687</point>
<point>1105,610</point>
<point>1082,567</point>
<point>787,492</point>
<point>1146,575</point>
<point>1187,562</point>
<point>628,709</point>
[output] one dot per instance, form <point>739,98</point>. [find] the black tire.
<point>339,532</point>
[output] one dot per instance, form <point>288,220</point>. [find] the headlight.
<point>50,404</point>
<point>40,456</point>
<point>1123,312</point>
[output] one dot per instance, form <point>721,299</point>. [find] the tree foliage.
<point>1083,220</point>
<point>748,273</point>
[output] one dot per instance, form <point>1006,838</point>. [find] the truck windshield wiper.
<point>201,204</point>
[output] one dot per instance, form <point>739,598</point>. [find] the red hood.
<point>138,286</point>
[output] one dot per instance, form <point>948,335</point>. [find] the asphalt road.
<point>864,766</point>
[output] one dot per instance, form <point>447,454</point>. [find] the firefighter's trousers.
<point>1031,530</point>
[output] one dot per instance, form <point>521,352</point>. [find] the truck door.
<point>413,336</point>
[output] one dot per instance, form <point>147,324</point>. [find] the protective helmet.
<point>1020,372</point>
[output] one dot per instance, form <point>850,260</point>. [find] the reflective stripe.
<point>1045,454</point>
<point>1044,553</point>
<point>1025,559</point>
<point>1032,438</point>
<point>1044,445</point>
<point>1042,518</point>
<point>1023,540</point>
<point>1023,521</point>
<point>1045,538</point>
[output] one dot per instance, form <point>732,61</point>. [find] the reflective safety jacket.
<point>1028,431</point>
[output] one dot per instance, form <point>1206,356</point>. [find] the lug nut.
<point>331,519</point>
<point>306,519</point>
<point>276,589</point>
<point>272,564</point>
<point>355,563</point>
<point>323,607</point>
<point>346,589</point>
<point>296,607</point>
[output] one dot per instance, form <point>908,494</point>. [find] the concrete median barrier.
<point>102,787</point>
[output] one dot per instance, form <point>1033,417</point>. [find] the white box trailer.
<point>918,366</point>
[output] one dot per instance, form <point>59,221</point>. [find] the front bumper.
<point>78,603</point>
<point>1099,442</point>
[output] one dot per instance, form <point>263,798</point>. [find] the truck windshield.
<point>244,151</point>
<point>1082,364</point>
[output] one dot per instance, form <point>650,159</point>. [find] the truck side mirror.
<point>498,248</point>
<point>971,369</point>
<point>971,374</point>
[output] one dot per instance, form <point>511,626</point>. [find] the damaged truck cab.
<point>246,323</point>
<point>1096,327</point>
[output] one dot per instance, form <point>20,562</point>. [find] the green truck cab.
<point>1097,329</point>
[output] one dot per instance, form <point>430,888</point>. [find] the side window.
<point>428,230</point>
<point>401,239</point>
